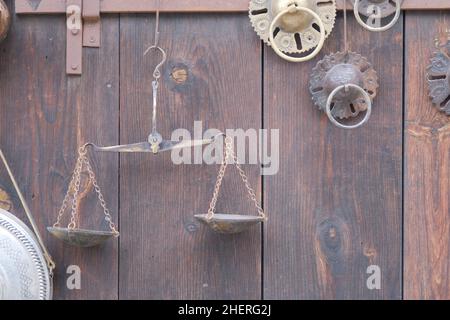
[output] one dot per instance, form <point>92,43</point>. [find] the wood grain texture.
<point>213,73</point>
<point>427,186</point>
<point>336,204</point>
<point>45,116</point>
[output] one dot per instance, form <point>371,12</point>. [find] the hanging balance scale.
<point>438,77</point>
<point>26,267</point>
<point>73,234</point>
<point>5,20</point>
<point>343,85</point>
<point>230,223</point>
<point>374,11</point>
<point>293,27</point>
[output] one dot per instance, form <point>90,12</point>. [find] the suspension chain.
<point>73,192</point>
<point>230,157</point>
<point>101,199</point>
<point>68,195</point>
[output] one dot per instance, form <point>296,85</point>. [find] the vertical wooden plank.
<point>45,116</point>
<point>336,203</point>
<point>212,74</point>
<point>427,186</point>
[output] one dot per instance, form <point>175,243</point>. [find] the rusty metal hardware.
<point>91,27</point>
<point>438,77</point>
<point>293,27</point>
<point>343,85</point>
<point>5,20</point>
<point>375,10</point>
<point>83,175</point>
<point>230,223</point>
<point>83,26</point>
<point>74,46</point>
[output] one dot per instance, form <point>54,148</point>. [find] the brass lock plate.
<point>340,69</point>
<point>438,78</point>
<point>296,32</point>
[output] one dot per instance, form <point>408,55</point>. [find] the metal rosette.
<point>382,8</point>
<point>23,270</point>
<point>340,69</point>
<point>296,36</point>
<point>438,78</point>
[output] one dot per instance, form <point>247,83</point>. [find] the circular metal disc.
<point>438,78</point>
<point>5,20</point>
<point>261,16</point>
<point>339,69</point>
<point>386,7</point>
<point>23,269</point>
<point>81,238</point>
<point>229,223</point>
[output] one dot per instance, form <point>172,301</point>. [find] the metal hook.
<point>157,72</point>
<point>155,46</point>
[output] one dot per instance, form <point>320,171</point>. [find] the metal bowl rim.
<point>80,231</point>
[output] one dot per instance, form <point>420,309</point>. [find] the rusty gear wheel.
<point>340,69</point>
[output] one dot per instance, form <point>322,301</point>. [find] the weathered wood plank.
<point>427,186</point>
<point>135,6</point>
<point>213,73</point>
<point>336,204</point>
<point>45,116</point>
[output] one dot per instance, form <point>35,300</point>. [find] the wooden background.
<point>342,200</point>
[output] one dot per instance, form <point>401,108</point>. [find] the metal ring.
<point>398,7</point>
<point>319,45</point>
<point>366,98</point>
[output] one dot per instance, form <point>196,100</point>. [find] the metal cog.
<point>438,78</point>
<point>261,16</point>
<point>338,69</point>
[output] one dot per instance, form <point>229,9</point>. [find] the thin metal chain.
<point>221,174</point>
<point>101,199</point>
<point>74,189</point>
<point>229,155</point>
<point>62,210</point>
<point>250,190</point>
